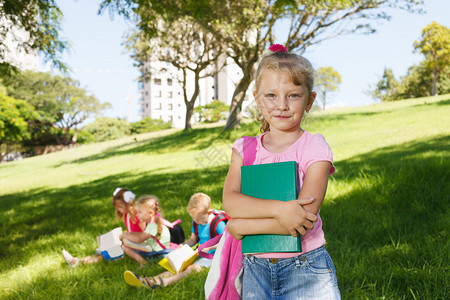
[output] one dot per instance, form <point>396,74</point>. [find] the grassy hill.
<point>385,216</point>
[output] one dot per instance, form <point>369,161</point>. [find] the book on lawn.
<point>276,181</point>
<point>179,259</point>
<point>110,245</point>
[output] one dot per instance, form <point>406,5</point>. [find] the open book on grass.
<point>179,259</point>
<point>110,245</point>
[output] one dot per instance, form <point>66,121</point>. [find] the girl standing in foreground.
<point>123,202</point>
<point>283,93</point>
<point>156,234</point>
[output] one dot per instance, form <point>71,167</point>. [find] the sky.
<point>98,59</point>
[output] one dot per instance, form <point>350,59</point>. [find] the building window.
<point>169,81</point>
<point>146,93</point>
<point>170,94</point>
<point>170,118</point>
<point>159,106</point>
<point>157,81</point>
<point>170,106</point>
<point>158,94</point>
<point>146,105</point>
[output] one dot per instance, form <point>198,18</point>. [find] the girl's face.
<point>121,207</point>
<point>281,102</point>
<point>145,214</point>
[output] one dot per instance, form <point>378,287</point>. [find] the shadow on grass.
<point>387,235</point>
<point>392,225</point>
<point>43,213</point>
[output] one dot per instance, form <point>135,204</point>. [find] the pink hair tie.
<point>278,48</point>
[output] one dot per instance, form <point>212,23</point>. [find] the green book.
<point>277,181</point>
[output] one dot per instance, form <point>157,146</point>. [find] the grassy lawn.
<point>385,216</point>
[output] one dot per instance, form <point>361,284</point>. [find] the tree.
<point>387,88</point>
<point>245,28</point>
<point>14,115</point>
<point>60,102</point>
<point>327,80</point>
<point>104,128</point>
<point>187,47</point>
<point>40,20</point>
<point>435,46</point>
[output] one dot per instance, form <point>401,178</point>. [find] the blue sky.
<point>99,61</point>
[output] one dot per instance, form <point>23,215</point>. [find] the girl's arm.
<point>137,237</point>
<point>142,225</point>
<point>291,215</point>
<point>242,227</point>
<point>315,185</point>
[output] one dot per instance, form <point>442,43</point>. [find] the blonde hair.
<point>297,67</point>
<point>198,204</point>
<point>118,197</point>
<point>151,202</point>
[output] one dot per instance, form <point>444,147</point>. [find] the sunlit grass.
<point>385,217</point>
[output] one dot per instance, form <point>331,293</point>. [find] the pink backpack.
<point>224,279</point>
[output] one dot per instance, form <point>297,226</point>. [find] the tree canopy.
<point>59,101</point>
<point>435,46</point>
<point>327,80</point>
<point>430,77</point>
<point>246,28</point>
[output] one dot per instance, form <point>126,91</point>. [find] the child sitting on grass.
<point>156,234</point>
<point>123,202</point>
<point>199,208</point>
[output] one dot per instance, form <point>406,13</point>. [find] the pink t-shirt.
<point>308,149</point>
<point>131,227</point>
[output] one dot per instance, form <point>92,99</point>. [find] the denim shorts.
<point>308,276</point>
<point>153,253</point>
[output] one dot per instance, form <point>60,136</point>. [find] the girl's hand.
<point>295,218</point>
<point>232,226</point>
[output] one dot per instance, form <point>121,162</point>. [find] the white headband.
<point>127,196</point>
<point>116,191</point>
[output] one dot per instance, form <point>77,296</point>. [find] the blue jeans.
<point>309,276</point>
<point>154,253</point>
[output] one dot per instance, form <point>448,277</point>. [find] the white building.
<point>14,54</point>
<point>162,94</point>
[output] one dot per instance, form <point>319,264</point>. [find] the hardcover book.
<point>179,259</point>
<point>276,181</point>
<point>110,245</point>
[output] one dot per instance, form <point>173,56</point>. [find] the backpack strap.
<point>195,225</point>
<point>218,217</point>
<point>249,150</point>
<point>159,243</point>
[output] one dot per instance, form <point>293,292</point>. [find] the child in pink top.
<point>283,93</point>
<point>123,202</point>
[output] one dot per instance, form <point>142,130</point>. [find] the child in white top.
<point>283,93</point>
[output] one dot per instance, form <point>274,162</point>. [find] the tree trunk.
<point>434,91</point>
<point>234,118</point>
<point>189,113</point>
<point>190,103</point>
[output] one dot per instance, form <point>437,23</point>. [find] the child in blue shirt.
<point>204,227</point>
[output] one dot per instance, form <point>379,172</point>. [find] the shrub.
<point>147,125</point>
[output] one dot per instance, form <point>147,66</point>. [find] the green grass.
<point>385,217</point>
